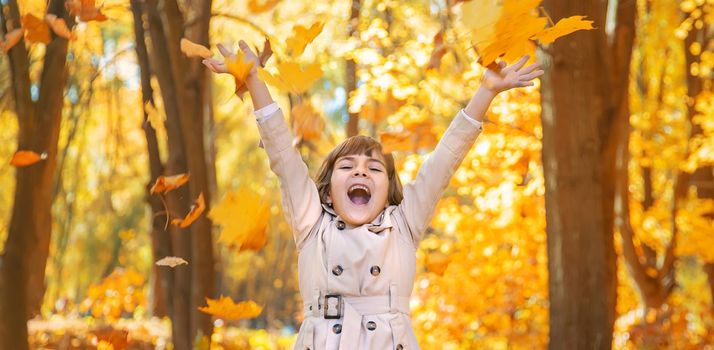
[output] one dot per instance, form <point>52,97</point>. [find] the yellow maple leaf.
<point>191,49</point>
<point>156,120</point>
<point>239,67</point>
<point>291,77</point>
<point>564,27</point>
<point>196,210</point>
<point>307,122</point>
<point>227,309</point>
<point>167,183</point>
<point>301,37</point>
<point>36,30</point>
<point>244,216</point>
<point>171,261</point>
<point>437,262</point>
<point>396,141</point>
<point>25,158</point>
<point>257,6</point>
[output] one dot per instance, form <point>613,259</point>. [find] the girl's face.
<point>358,188</point>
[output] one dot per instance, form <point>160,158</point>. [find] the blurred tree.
<point>38,107</point>
<point>585,117</point>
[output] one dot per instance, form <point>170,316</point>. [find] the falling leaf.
<point>307,122</point>
<point>59,26</point>
<point>564,27</point>
<point>11,39</point>
<point>171,261</point>
<point>301,37</point>
<point>260,6</point>
<point>36,30</point>
<point>156,120</point>
<point>86,10</point>
<point>507,28</point>
<point>396,141</point>
<point>25,158</point>
<point>437,262</point>
<point>291,77</point>
<point>196,210</point>
<point>191,49</point>
<point>168,183</point>
<point>227,309</point>
<point>438,52</point>
<point>244,216</point>
<point>263,56</point>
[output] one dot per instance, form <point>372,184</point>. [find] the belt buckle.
<point>326,305</point>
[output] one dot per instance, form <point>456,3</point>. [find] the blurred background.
<point>581,218</point>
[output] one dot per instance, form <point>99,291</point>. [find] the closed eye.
<point>376,169</point>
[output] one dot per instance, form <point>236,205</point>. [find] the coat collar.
<point>381,223</point>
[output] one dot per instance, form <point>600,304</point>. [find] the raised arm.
<point>301,202</point>
<point>422,195</point>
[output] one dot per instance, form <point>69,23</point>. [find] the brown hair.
<point>358,145</point>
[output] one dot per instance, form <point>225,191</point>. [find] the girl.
<point>356,228</point>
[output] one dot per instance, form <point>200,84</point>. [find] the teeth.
<point>354,187</point>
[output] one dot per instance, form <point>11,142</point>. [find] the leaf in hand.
<point>260,6</point>
<point>11,39</point>
<point>291,77</point>
<point>196,210</point>
<point>244,217</point>
<point>227,309</point>
<point>239,67</point>
<point>263,56</point>
<point>171,261</point>
<point>301,37</point>
<point>25,158</point>
<point>165,184</point>
<point>36,31</point>
<point>59,26</point>
<point>191,49</point>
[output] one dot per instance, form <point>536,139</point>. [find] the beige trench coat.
<point>364,275</point>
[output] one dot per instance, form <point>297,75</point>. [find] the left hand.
<point>512,76</point>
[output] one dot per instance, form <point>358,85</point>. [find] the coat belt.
<point>354,308</point>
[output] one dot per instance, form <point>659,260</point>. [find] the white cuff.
<point>473,121</point>
<point>263,113</point>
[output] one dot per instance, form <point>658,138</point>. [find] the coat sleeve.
<point>422,195</point>
<point>301,202</point>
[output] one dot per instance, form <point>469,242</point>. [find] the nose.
<point>359,172</point>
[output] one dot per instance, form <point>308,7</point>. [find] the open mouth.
<point>359,194</point>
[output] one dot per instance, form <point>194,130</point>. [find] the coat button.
<point>399,347</point>
<point>337,328</point>
<point>375,270</point>
<point>371,325</point>
<point>340,225</point>
<point>337,270</point>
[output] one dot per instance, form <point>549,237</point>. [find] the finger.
<point>518,65</point>
<point>244,46</point>
<point>531,76</point>
<point>224,51</point>
<point>525,83</point>
<point>530,68</point>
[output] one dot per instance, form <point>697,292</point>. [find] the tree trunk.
<point>160,239</point>
<point>351,71</point>
<point>183,83</point>
<point>583,112</point>
<point>27,246</point>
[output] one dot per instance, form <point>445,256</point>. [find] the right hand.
<point>217,66</point>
